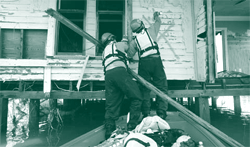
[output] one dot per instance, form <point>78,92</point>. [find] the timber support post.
<point>34,111</point>
<point>3,117</point>
<point>237,106</point>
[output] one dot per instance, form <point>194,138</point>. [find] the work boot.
<point>162,114</point>
<point>109,127</point>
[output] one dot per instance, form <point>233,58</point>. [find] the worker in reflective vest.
<point>150,63</point>
<point>118,82</point>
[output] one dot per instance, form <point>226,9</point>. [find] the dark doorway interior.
<point>110,14</point>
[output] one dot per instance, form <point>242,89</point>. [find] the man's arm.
<point>157,23</point>
<point>155,27</point>
<point>132,49</point>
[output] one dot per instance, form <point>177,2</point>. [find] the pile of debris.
<point>151,132</point>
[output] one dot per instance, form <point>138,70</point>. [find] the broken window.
<point>110,16</point>
<point>70,42</point>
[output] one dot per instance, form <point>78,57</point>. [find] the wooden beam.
<point>129,12</point>
<point>204,110</point>
<point>208,92</point>
<point>3,120</point>
<point>237,106</point>
<point>47,81</point>
<point>210,42</point>
<point>34,109</point>
<point>101,94</point>
<point>0,42</point>
<point>232,18</point>
<point>21,44</point>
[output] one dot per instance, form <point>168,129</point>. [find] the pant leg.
<point>143,71</point>
<point>130,88</point>
<point>160,82</point>
<point>113,95</point>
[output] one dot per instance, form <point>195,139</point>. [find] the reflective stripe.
<point>109,50</point>
<point>144,41</point>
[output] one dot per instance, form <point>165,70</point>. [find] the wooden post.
<point>3,117</point>
<point>210,41</point>
<point>214,103</point>
<point>34,107</point>
<point>197,106</point>
<point>191,104</point>
<point>0,42</point>
<point>51,34</point>
<point>129,12</point>
<point>21,44</point>
<point>237,106</point>
<point>204,111</point>
<point>47,82</point>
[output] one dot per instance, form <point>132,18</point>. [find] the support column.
<point>34,108</point>
<point>214,103</point>
<point>202,108</point>
<point>3,119</point>
<point>237,106</point>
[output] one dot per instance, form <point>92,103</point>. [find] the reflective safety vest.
<point>112,54</point>
<point>146,44</point>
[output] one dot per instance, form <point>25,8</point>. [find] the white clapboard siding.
<point>24,19</point>
<point>201,62</point>
<point>17,77</point>
<point>171,45</point>
<point>175,35</point>
<point>201,20</point>
<point>28,14</point>
<point>21,70</point>
<point>74,77</point>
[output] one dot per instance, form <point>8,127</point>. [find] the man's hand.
<point>156,14</point>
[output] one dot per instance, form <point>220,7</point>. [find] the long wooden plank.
<point>82,72</point>
<point>188,113</point>
<point>101,94</point>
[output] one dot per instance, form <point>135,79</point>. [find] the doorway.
<point>110,18</point>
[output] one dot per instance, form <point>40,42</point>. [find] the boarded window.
<point>23,44</point>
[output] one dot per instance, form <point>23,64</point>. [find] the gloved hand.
<point>156,14</point>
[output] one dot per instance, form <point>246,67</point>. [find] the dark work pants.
<point>118,82</point>
<point>152,70</point>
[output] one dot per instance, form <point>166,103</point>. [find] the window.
<point>70,42</point>
<point>110,16</point>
